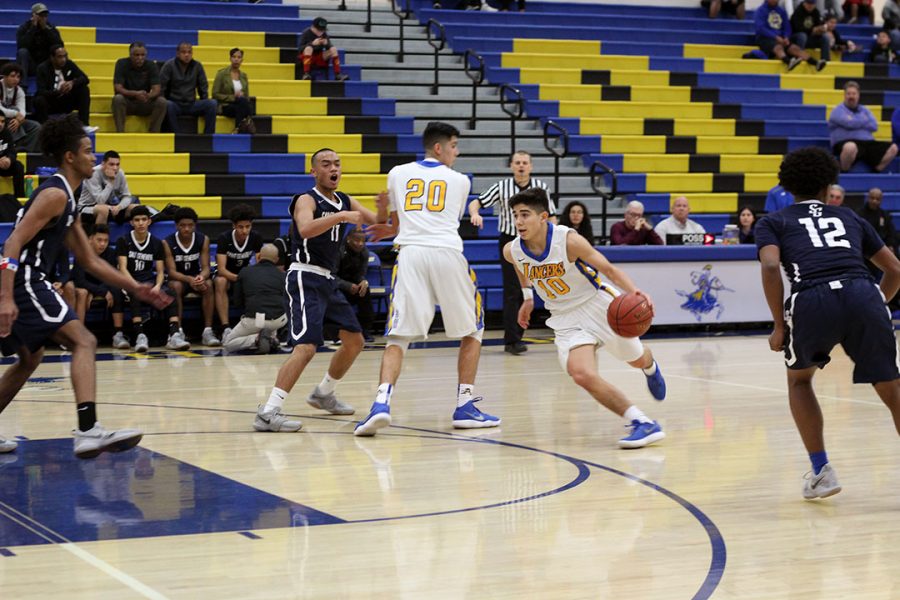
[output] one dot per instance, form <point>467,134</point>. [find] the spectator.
<point>351,278</point>
<point>882,50</point>
<point>183,80</point>
<point>891,15</point>
<point>88,288</point>
<point>827,7</point>
<point>187,263</point>
<point>137,89</point>
<point>34,39</point>
<point>879,218</point>
<point>12,105</point>
<point>778,198</point>
<point>61,88</point>
<point>576,216</point>
<point>835,195</point>
<point>259,290</point>
<point>854,9</point>
<point>734,8</point>
<point>231,89</point>
<point>746,222</point>
<point>634,230</point>
<point>773,35</point>
<point>851,126</point>
<point>810,31</point>
<point>839,44</point>
<point>316,49</point>
<point>9,166</point>
<point>141,255</point>
<point>105,194</point>
<point>521,165</point>
<point>234,249</point>
<point>679,222</point>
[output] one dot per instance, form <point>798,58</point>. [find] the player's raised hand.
<point>382,200</point>
<point>9,312</point>
<point>151,295</point>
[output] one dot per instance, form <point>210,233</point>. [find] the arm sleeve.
<point>122,191</point>
<point>119,72</point>
<point>238,293</point>
<point>121,247</point>
<point>220,90</point>
<point>653,238</point>
<point>164,75</point>
<point>871,241</point>
<point>765,232</point>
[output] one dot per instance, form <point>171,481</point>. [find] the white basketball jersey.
<point>561,284</point>
<point>429,199</point>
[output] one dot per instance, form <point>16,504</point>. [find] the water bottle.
<point>730,236</point>
<point>31,182</point>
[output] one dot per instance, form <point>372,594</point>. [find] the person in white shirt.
<point>427,199</point>
<point>12,105</point>
<point>679,222</point>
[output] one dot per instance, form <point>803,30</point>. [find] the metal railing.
<point>343,6</point>
<point>477,77</point>
<point>438,44</point>
<point>599,172</point>
<point>402,15</point>
<point>556,141</point>
<point>514,107</point>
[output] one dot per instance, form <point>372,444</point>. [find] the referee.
<point>499,195</point>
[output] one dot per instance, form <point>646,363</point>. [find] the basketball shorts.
<point>425,277</point>
<point>310,301</point>
<point>586,325</point>
<point>849,312</point>
<point>42,312</point>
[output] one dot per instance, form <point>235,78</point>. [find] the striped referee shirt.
<point>501,192</point>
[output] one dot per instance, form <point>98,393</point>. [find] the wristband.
<point>10,264</point>
<point>527,294</point>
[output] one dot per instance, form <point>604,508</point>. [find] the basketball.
<point>629,315</point>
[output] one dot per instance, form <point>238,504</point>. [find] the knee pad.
<point>400,342</point>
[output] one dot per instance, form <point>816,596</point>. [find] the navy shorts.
<point>42,312</point>
<point>312,300</point>
<point>849,312</point>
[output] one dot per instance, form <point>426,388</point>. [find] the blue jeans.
<point>813,41</point>
<point>205,108</point>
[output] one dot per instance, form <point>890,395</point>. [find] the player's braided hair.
<point>807,172</point>
<point>61,135</point>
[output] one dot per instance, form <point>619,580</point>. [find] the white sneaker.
<point>177,342</point>
<point>89,444</point>
<point>120,342</point>
<point>225,333</point>
<point>274,420</point>
<point>142,344</point>
<point>822,485</point>
<point>209,338</point>
<point>7,445</point>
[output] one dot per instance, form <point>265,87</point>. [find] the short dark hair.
<point>100,228</point>
<point>185,212</point>
<point>234,50</point>
<point>315,156</point>
<point>241,212</point>
<point>183,43</point>
<point>356,231</point>
<point>61,135</point>
<point>851,84</point>
<point>54,48</point>
<point>806,172</point>
<point>136,44</point>
<point>533,198</point>
<point>437,132</point>
<point>10,68</point>
<point>110,154</point>
<point>139,210</point>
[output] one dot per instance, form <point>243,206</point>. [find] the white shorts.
<point>425,277</point>
<point>586,325</point>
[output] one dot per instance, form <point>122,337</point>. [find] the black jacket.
<point>7,146</point>
<point>259,289</point>
<point>351,268</point>
<point>46,77</point>
<point>37,40</point>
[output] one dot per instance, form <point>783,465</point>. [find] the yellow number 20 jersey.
<point>429,199</point>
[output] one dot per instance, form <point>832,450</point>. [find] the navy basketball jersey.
<point>187,258</point>
<point>141,257</point>
<point>323,250</point>
<point>819,243</point>
<point>238,255</point>
<point>41,254</point>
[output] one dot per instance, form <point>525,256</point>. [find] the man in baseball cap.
<point>316,50</point>
<point>34,38</point>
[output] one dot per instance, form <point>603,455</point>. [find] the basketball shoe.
<point>657,384</point>
<point>822,485</point>
<point>90,443</point>
<point>468,416</point>
<point>120,342</point>
<point>141,344</point>
<point>329,402</point>
<point>642,434</point>
<point>274,420</point>
<point>7,445</point>
<point>378,418</point>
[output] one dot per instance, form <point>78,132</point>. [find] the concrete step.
<point>333,15</point>
<point>568,184</point>
<point>444,110</point>
<point>387,59</point>
<point>456,92</point>
<point>487,127</point>
<point>410,76</point>
<point>499,165</point>
<point>411,30</point>
<point>365,44</point>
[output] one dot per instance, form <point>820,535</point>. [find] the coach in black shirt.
<point>259,290</point>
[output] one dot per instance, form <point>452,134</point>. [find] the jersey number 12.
<point>832,229</point>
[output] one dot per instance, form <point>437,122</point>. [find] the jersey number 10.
<point>431,198</point>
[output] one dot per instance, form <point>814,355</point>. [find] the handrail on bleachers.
<point>519,104</point>
<point>477,77</point>
<point>554,133</point>
<point>438,45</point>
<point>599,170</point>
<point>403,16</point>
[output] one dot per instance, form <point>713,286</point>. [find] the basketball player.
<point>32,313</point>
<point>833,300</point>
<point>234,249</point>
<point>312,297</point>
<point>427,199</point>
<point>565,271</point>
<point>187,265</point>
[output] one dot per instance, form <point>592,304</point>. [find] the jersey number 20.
<point>832,229</point>
<point>431,197</point>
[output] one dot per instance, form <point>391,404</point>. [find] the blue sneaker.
<point>468,416</point>
<point>379,417</point>
<point>642,434</point>
<point>656,384</point>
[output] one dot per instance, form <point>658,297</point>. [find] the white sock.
<point>276,399</point>
<point>650,370</point>
<point>635,414</point>
<point>383,396</point>
<point>328,384</point>
<point>464,393</point>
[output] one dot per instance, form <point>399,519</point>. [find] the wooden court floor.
<point>545,506</point>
